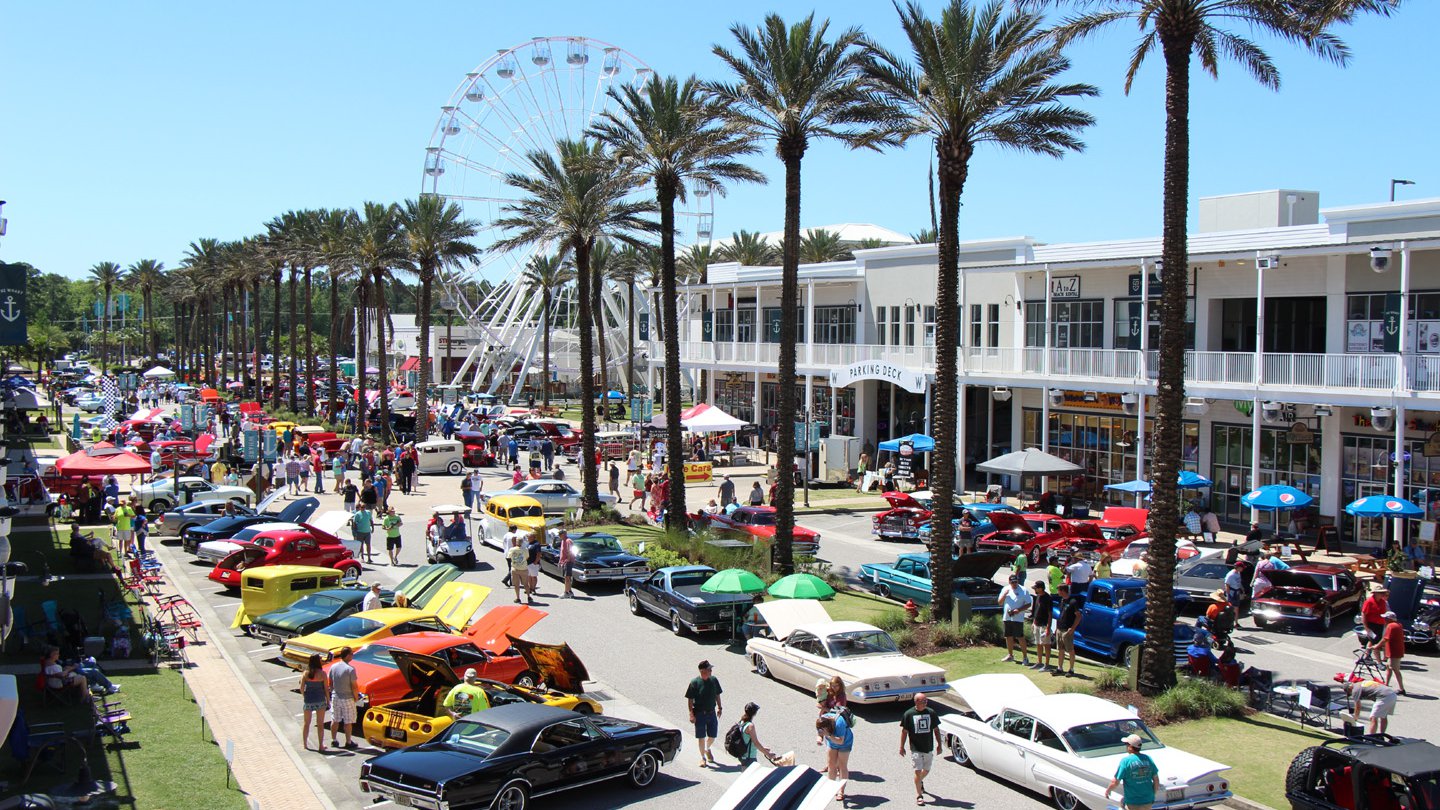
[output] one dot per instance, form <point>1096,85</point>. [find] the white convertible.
<point>1067,746</point>
<point>808,646</point>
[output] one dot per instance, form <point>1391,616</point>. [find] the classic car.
<point>808,645</point>
<point>501,757</point>
<point>184,449</point>
<point>312,612</point>
<point>440,456</point>
<point>1202,575</point>
<point>752,524</point>
<point>1016,534</point>
<point>453,606</point>
<point>500,512</point>
<point>1067,746</point>
<point>554,496</point>
<point>560,433</point>
<point>419,716</point>
<point>477,448</point>
<point>612,444</point>
<point>909,578</point>
<point>980,523</point>
<point>201,513</point>
<point>227,528</point>
<point>674,594</point>
<point>90,402</point>
<point>319,437</point>
<point>1129,561</point>
<point>1309,593</point>
<point>598,558</point>
<point>273,587</point>
<point>796,787</point>
<point>485,645</point>
<point>305,546</point>
<point>902,520</point>
<point>161,497</point>
<point>1112,621</point>
<point>1113,537</point>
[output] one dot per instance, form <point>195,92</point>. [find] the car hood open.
<point>490,630</point>
<point>901,500</point>
<point>987,694</point>
<point>980,564</point>
<point>1010,522</point>
<point>784,615</point>
<point>423,672</point>
<point>556,664</point>
<point>1296,580</point>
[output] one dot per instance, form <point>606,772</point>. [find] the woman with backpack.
<point>839,739</point>
<point>742,741</point>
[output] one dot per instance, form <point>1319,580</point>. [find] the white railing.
<point>1224,368</point>
<point>1373,371</point>
<point>1422,372</point>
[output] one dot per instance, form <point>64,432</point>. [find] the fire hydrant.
<point>912,610</point>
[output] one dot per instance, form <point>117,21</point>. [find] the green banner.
<point>1390,325</point>
<point>12,305</point>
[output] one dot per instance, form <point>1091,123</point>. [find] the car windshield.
<point>859,643</point>
<point>592,546</point>
<point>352,627</point>
<point>1107,739</point>
<point>533,510</point>
<point>758,518</point>
<point>1135,551</point>
<point>564,430</point>
<point>376,656</point>
<point>474,738</point>
<point>1324,582</point>
<point>685,578</point>
<point>318,602</point>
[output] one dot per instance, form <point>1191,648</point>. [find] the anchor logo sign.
<point>10,312</point>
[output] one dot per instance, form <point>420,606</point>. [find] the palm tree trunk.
<point>791,154</point>
<point>1157,669</point>
<point>590,489</point>
<point>362,404</point>
<point>598,293</point>
<point>227,353</point>
<point>150,325</point>
<point>422,396</point>
<point>953,159</point>
<point>545,302</point>
<point>259,336</point>
<point>382,387</point>
<point>674,439</point>
<point>294,343</point>
<point>309,348</point>
<point>630,341</point>
<point>333,379</point>
<point>275,279</point>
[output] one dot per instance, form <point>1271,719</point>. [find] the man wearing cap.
<point>1014,602</point>
<point>703,697</point>
<point>1392,641</point>
<point>727,491</point>
<point>1235,583</point>
<point>466,697</point>
<point>1138,776</point>
<point>1382,700</point>
<point>1042,611</point>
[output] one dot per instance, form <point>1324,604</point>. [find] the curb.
<point>1242,803</point>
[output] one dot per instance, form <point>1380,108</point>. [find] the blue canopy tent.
<point>923,443</point>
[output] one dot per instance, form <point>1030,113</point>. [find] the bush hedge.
<point>1194,698</point>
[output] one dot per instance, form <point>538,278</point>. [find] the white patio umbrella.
<point>1030,461</point>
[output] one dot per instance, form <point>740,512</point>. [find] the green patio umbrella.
<point>801,586</point>
<point>733,580</point>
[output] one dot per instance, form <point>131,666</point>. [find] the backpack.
<point>735,744</point>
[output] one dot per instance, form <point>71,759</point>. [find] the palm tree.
<point>820,245</point>
<point>1180,30</point>
<point>573,198</point>
<point>749,249</point>
<point>436,234</point>
<point>979,76</point>
<point>628,265</point>
<point>924,236</point>
<point>695,262</point>
<point>601,262</point>
<point>305,251</point>
<point>870,244</point>
<point>336,252</point>
<point>380,249</point>
<point>145,275</point>
<point>44,341</point>
<point>672,133</point>
<point>792,85</point>
<point>545,275</point>
<point>105,275</point>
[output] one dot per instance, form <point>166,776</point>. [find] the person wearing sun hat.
<point>1136,775</point>
<point>1372,610</point>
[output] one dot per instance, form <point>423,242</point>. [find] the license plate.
<point>395,734</point>
<point>401,800</point>
<point>1174,795</point>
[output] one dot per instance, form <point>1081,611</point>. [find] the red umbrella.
<point>122,463</point>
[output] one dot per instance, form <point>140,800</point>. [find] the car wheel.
<point>160,506</point>
<point>1035,556</point>
<point>239,502</point>
<point>350,574</point>
<point>584,708</point>
<point>1127,656</point>
<point>527,679</point>
<point>676,626</point>
<point>469,561</point>
<point>882,591</point>
<point>634,603</point>
<point>1297,776</point>
<point>1325,620</point>
<point>456,468</point>
<point>1260,622</point>
<point>957,750</point>
<point>644,769</point>
<point>761,668</point>
<point>429,558</point>
<point>1064,799</point>
<point>511,797</point>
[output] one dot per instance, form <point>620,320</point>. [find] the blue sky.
<point>130,129</point>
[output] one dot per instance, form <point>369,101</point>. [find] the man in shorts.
<point>515,555</point>
<point>1069,619</point>
<point>1041,611</point>
<point>567,562</point>
<point>702,697</point>
<point>509,540</point>
<point>361,524</point>
<point>392,535</point>
<point>1138,776</point>
<point>124,519</point>
<point>342,698</point>
<point>532,567</point>
<point>920,726</point>
<point>1014,604</point>
<point>1382,704</point>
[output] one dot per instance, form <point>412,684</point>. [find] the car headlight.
<point>362,698</point>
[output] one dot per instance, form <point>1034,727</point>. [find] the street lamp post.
<point>1394,183</point>
<point>447,306</point>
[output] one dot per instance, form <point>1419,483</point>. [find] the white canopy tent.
<point>158,373</point>
<point>703,418</point>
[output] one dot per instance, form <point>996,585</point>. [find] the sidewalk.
<point>265,767</point>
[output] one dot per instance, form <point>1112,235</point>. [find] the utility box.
<point>838,456</point>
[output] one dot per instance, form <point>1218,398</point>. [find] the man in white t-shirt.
<point>509,541</point>
<point>372,599</point>
<point>1080,574</point>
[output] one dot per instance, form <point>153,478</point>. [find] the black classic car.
<point>226,528</point>
<point>505,756</point>
<point>675,595</point>
<point>598,558</point>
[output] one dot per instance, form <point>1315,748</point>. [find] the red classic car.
<point>477,449</point>
<point>753,524</point>
<point>1313,593</point>
<point>483,646</point>
<point>315,437</point>
<point>305,546</point>
<point>902,521</point>
<point>1114,537</point>
<point>1016,534</point>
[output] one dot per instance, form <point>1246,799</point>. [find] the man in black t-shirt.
<point>1070,606</point>
<point>920,727</point>
<point>1042,611</point>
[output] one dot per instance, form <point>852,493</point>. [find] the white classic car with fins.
<point>1067,746</point>
<point>808,646</point>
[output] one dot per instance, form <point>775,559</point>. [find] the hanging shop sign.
<point>1300,433</point>
<point>905,454</point>
<point>1064,288</point>
<point>13,280</point>
<point>1095,400</point>
<point>1432,445</point>
<point>912,381</point>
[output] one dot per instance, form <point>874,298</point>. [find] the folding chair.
<point>1314,702</point>
<point>1199,666</point>
<point>1259,687</point>
<point>41,743</point>
<point>111,718</point>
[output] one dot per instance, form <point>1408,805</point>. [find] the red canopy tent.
<point>109,462</point>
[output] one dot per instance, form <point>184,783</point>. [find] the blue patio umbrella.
<point>1274,497</point>
<point>1193,480</point>
<point>1137,486</point>
<point>1383,506</point>
<point>615,395</point>
<point>923,443</point>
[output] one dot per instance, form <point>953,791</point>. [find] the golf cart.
<point>443,544</point>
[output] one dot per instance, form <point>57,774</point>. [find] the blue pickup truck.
<point>674,595</point>
<point>1112,621</point>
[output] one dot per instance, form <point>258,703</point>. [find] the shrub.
<point>1112,678</point>
<point>944,635</point>
<point>658,556</point>
<point>904,638</point>
<point>979,630</point>
<point>892,621</point>
<point>1076,688</point>
<point>1195,698</point>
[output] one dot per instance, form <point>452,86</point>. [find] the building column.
<point>1047,343</point>
<point>734,321</point>
<point>807,335</point>
<point>960,391</point>
<point>891,387</point>
<point>1255,430</point>
<point>1140,436</point>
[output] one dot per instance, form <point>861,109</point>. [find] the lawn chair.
<point>1259,686</point>
<point>63,695</point>
<point>42,743</point>
<point>1316,701</point>
<point>1200,666</point>
<point>111,718</point>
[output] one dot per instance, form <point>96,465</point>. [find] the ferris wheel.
<point>521,100</point>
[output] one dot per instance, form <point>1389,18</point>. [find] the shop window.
<point>977,326</point>
<point>835,325</point>
<point>1128,312</point>
<point>1365,322</point>
<point>994,310</point>
<point>1073,324</point>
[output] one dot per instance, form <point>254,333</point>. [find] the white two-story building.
<point>1297,335</point>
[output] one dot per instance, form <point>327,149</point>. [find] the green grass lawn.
<point>52,546</point>
<point>967,661</point>
<point>858,606</point>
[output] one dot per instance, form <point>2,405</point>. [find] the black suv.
<point>1373,772</point>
